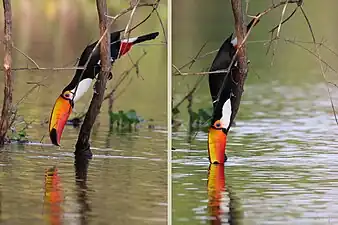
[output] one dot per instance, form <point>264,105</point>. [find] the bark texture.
<point>240,76</point>
<point>8,82</point>
<point>82,145</point>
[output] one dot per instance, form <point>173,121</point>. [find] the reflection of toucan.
<point>83,79</point>
<point>216,192</point>
<point>223,103</point>
<point>223,205</point>
<point>53,196</point>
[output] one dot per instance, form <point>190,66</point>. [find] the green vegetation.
<point>19,136</point>
<point>125,120</point>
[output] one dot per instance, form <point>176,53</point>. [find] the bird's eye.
<point>217,124</point>
<point>67,95</point>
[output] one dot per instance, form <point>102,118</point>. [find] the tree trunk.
<point>8,89</point>
<point>82,145</point>
<point>240,76</point>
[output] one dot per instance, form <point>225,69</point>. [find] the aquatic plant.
<point>124,120</point>
<point>19,136</point>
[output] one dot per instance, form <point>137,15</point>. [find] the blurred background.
<point>119,188</point>
<point>280,168</point>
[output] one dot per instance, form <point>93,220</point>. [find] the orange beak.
<point>216,145</point>
<point>61,111</point>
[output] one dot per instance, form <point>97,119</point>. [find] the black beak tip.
<point>53,137</point>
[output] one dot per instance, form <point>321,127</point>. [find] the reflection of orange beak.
<point>53,196</point>
<point>216,188</point>
<point>61,111</point>
<point>216,145</point>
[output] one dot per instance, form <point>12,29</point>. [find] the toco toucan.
<point>222,104</point>
<point>80,84</point>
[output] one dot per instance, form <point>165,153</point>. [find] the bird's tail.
<point>146,37</point>
<point>253,22</point>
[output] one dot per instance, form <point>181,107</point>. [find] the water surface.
<point>281,166</point>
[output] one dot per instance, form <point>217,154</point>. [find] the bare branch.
<point>199,80</point>
<point>46,68</point>
<point>320,63</point>
<point>198,73</point>
<point>24,54</point>
<point>8,80</point>
<point>82,145</point>
<point>124,75</point>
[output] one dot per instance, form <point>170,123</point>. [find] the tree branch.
<point>8,82</point>
<point>240,74</point>
<point>82,145</point>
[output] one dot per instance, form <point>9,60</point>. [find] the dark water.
<point>281,167</point>
<point>126,181</point>
<point>118,190</point>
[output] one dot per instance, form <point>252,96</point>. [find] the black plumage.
<point>222,84</point>
<point>93,67</point>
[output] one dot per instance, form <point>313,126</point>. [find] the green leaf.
<point>114,117</point>
<point>22,133</point>
<point>205,114</point>
<point>125,120</point>
<point>133,117</point>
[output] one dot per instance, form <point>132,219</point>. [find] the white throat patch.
<point>82,88</point>
<point>234,41</point>
<point>226,114</point>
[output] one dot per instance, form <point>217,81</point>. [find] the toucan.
<point>222,103</point>
<point>82,80</point>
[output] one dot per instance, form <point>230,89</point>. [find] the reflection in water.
<point>81,168</point>
<point>53,197</point>
<point>221,198</point>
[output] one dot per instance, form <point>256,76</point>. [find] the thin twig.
<point>197,55</point>
<point>320,63</point>
<point>199,80</point>
<point>123,76</point>
<point>284,21</point>
<point>162,25</point>
<point>27,56</point>
<point>199,73</point>
<point>46,68</point>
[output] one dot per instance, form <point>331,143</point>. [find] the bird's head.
<point>60,113</point>
<point>217,135</point>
